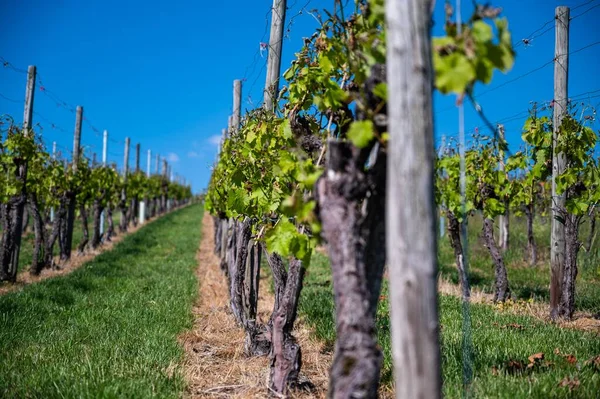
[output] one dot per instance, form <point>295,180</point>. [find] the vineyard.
<point>343,250</point>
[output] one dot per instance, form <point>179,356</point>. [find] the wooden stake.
<point>22,174</point>
<point>561,73</point>
<point>411,237</point>
<point>72,196</point>
<point>274,56</point>
<point>237,104</point>
<point>137,157</point>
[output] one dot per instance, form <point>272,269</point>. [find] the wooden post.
<point>123,205</point>
<point>137,157</point>
<point>22,173</point>
<point>29,95</point>
<point>411,221</point>
<point>237,104</point>
<point>104,156</point>
<point>126,159</point>
<point>561,73</point>
<point>442,218</point>
<point>503,220</point>
<point>148,163</point>
<point>72,196</point>
<point>274,55</point>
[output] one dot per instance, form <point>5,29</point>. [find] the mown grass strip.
<point>110,328</point>
<point>502,342</point>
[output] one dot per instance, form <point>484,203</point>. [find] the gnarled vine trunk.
<point>501,290</point>
<point>531,245</point>
<point>567,301</point>
<point>124,222</point>
<point>258,341</point>
<point>40,256</point>
<point>7,242</point>
<point>97,210</point>
<point>236,288</point>
<point>286,355</point>
<point>110,230</point>
<point>66,239</point>
<point>455,242</point>
<point>57,228</point>
<point>592,233</point>
<point>351,208</point>
<point>84,225</point>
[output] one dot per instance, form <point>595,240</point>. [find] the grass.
<point>502,341</point>
<point>525,282</point>
<point>498,339</point>
<point>110,328</point>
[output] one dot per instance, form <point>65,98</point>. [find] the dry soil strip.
<point>215,365</point>
<point>24,278</point>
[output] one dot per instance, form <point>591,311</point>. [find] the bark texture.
<point>84,225</point>
<point>239,270</point>
<point>455,242</point>
<point>531,245</point>
<point>110,230</point>
<point>501,289</point>
<point>97,210</point>
<point>40,257</point>
<point>567,302</point>
<point>592,234</point>
<point>351,208</point>
<point>258,342</point>
<point>57,228</point>
<point>286,355</point>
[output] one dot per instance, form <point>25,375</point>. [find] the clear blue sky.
<point>161,73</point>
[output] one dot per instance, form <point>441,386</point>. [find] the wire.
<point>585,12</point>
<point>534,35</point>
<point>9,99</point>
<point>10,66</point>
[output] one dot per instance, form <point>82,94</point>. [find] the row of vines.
<point>314,170</point>
<point>50,185</point>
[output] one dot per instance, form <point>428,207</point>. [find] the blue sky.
<point>161,73</point>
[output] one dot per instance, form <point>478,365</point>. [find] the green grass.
<point>108,329</point>
<point>495,341</point>
<point>525,282</point>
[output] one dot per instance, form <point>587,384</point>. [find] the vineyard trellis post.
<point>442,218</point>
<point>22,170</point>
<point>137,157</point>
<point>274,54</point>
<point>72,195</point>
<point>135,204</point>
<point>560,104</point>
<point>123,202</point>
<point>503,220</point>
<point>237,103</point>
<point>53,158</point>
<point>411,223</point>
<point>104,155</point>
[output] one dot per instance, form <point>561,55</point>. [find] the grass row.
<point>108,329</point>
<point>525,282</point>
<point>502,342</point>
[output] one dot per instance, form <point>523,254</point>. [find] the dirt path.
<point>215,365</point>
